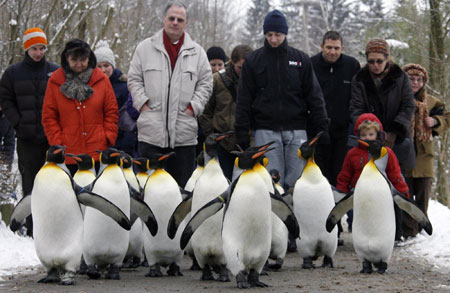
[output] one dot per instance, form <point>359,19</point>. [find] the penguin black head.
<point>158,161</point>
<point>142,164</point>
<point>110,156</point>
<point>56,154</point>
<point>84,161</point>
<point>127,160</point>
<point>248,158</point>
<point>375,147</point>
<point>212,142</point>
<point>307,148</point>
<point>275,175</point>
<point>201,159</point>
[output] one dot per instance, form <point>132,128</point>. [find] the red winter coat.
<point>83,127</point>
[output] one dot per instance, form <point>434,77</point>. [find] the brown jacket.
<point>424,149</point>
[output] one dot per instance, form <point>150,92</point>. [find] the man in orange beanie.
<point>22,90</point>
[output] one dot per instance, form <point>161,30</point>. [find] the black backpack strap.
<point>227,83</point>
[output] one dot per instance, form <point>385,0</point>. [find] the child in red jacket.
<point>368,127</point>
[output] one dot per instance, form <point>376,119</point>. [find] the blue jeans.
<point>284,157</point>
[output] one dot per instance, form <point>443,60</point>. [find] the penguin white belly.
<point>373,217</point>
<point>207,239</point>
<point>280,234</point>
<point>57,219</point>
<point>313,201</point>
<point>105,242</point>
<point>247,225</point>
<point>193,179</point>
<point>83,178</point>
<point>162,194</point>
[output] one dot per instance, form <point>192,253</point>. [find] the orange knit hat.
<point>34,36</point>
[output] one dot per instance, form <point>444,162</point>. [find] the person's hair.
<point>177,4</point>
<point>78,52</point>
<point>368,124</point>
<point>240,52</point>
<point>77,48</point>
<point>332,35</point>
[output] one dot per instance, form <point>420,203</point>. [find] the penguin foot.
<point>127,263</point>
<point>113,272</point>
<point>136,262</point>
<point>381,267</point>
<point>92,272</point>
<point>52,277</point>
<point>83,267</point>
<point>292,245</point>
<point>308,263</point>
<point>253,279</point>
<point>241,280</point>
<point>367,267</point>
<point>68,278</point>
<point>275,266</point>
<point>327,262</point>
<point>264,273</point>
<point>174,270</point>
<point>207,274</point>
<point>154,272</point>
<point>195,266</point>
<point>223,274</point>
<point>144,263</point>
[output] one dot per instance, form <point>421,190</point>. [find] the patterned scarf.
<point>418,127</point>
<point>76,85</point>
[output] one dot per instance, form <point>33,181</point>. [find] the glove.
<point>390,139</point>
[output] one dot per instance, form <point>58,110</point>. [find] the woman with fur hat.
<point>430,119</point>
<point>382,88</point>
<point>80,109</point>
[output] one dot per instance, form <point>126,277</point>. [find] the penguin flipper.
<point>178,216</point>
<point>287,197</point>
<point>411,208</point>
<point>337,193</point>
<point>185,194</point>
<point>20,212</point>
<point>339,210</point>
<point>105,206</point>
<point>208,210</point>
<point>285,213</point>
<point>139,208</point>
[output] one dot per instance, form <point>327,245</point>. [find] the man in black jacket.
<point>22,90</point>
<point>334,72</point>
<point>277,93</point>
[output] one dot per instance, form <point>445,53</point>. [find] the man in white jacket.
<point>171,81</point>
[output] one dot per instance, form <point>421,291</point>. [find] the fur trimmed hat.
<point>275,21</point>
<point>416,69</point>
<point>34,36</point>
<point>377,46</point>
<point>104,53</point>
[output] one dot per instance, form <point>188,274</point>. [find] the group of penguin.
<point>226,227</point>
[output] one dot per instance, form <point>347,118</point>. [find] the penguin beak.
<point>315,139</point>
<point>165,156</point>
<point>78,159</point>
<point>260,153</point>
<point>265,146</point>
<point>57,151</point>
<point>114,154</point>
<point>224,135</point>
<point>363,142</point>
<point>137,162</point>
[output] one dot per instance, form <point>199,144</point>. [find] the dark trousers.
<point>420,189</point>
<point>330,157</point>
<point>31,157</point>
<point>180,166</point>
<point>226,160</point>
<point>7,142</point>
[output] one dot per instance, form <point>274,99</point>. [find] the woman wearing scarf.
<point>430,119</point>
<point>80,109</point>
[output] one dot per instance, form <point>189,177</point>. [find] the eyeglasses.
<point>378,61</point>
<point>173,19</point>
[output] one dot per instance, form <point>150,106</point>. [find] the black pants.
<point>180,166</point>
<point>31,157</point>
<point>330,157</point>
<point>420,189</point>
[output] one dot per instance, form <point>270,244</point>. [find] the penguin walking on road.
<point>163,194</point>
<point>313,201</point>
<point>57,217</point>
<point>373,211</point>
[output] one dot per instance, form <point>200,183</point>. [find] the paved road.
<point>405,273</point>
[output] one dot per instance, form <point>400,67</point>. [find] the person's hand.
<point>189,112</point>
<point>144,108</point>
<point>390,139</point>
<point>430,122</point>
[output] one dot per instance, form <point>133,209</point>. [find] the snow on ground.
<point>17,253</point>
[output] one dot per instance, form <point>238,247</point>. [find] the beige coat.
<point>424,150</point>
<point>168,94</point>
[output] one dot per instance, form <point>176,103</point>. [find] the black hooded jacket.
<point>22,91</point>
<point>278,90</point>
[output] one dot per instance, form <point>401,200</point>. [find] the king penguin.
<point>313,201</point>
<point>143,171</point>
<point>163,194</point>
<point>57,218</point>
<point>105,243</point>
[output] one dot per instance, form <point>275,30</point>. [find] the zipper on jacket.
<point>279,91</point>
<point>168,100</point>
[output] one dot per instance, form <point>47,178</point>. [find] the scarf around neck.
<point>418,128</point>
<point>76,85</point>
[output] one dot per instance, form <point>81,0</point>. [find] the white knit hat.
<point>104,53</point>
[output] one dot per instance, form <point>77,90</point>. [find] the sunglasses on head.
<point>378,61</point>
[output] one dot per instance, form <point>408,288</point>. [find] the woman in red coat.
<point>80,109</point>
